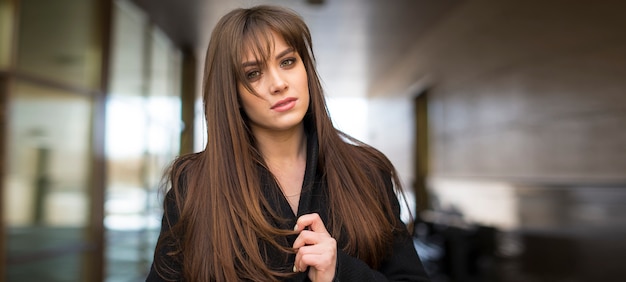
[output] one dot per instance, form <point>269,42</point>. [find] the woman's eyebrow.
<point>280,55</point>
<point>249,64</point>
<point>285,52</point>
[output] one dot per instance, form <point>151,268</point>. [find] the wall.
<point>527,117</point>
<point>524,90</point>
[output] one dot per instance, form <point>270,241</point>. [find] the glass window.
<point>59,41</point>
<point>126,135</point>
<point>142,138</point>
<point>5,32</point>
<point>163,104</point>
<point>46,198</point>
<point>128,51</point>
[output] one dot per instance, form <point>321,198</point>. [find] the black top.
<point>402,265</point>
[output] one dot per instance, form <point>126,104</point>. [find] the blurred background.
<point>505,119</point>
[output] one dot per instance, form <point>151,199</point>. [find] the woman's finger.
<point>313,221</point>
<point>315,248</point>
<point>307,237</point>
<point>320,256</point>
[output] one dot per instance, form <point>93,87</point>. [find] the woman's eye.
<point>253,74</point>
<point>287,62</point>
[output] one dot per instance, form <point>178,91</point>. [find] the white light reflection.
<point>349,114</point>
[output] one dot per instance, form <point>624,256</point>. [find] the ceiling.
<point>355,41</point>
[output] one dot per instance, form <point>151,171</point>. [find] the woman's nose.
<point>278,83</point>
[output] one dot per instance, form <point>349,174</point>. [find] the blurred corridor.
<point>506,121</point>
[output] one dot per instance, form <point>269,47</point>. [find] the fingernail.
<point>295,269</point>
<point>295,227</point>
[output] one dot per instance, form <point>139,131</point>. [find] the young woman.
<point>278,193</point>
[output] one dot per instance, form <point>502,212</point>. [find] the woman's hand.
<point>315,248</point>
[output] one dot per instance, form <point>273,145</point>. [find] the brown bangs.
<point>257,40</point>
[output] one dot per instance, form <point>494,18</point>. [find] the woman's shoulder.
<point>179,171</point>
<point>184,161</point>
<point>371,157</point>
<point>363,148</point>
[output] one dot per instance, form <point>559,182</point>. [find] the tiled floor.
<point>129,255</point>
<point>569,234</point>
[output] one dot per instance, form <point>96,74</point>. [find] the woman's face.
<point>282,88</point>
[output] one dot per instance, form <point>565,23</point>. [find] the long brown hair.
<point>217,192</point>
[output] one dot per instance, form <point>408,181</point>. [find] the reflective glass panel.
<point>59,40</point>
<point>164,115</point>
<point>128,50</point>
<point>142,138</point>
<point>5,32</point>
<point>126,121</point>
<point>46,200</point>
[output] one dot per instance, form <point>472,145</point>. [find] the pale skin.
<point>276,116</point>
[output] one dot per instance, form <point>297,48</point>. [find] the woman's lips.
<point>284,104</point>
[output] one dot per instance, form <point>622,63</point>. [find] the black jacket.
<point>403,264</point>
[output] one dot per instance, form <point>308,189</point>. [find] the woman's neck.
<point>285,156</point>
<point>282,147</point>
